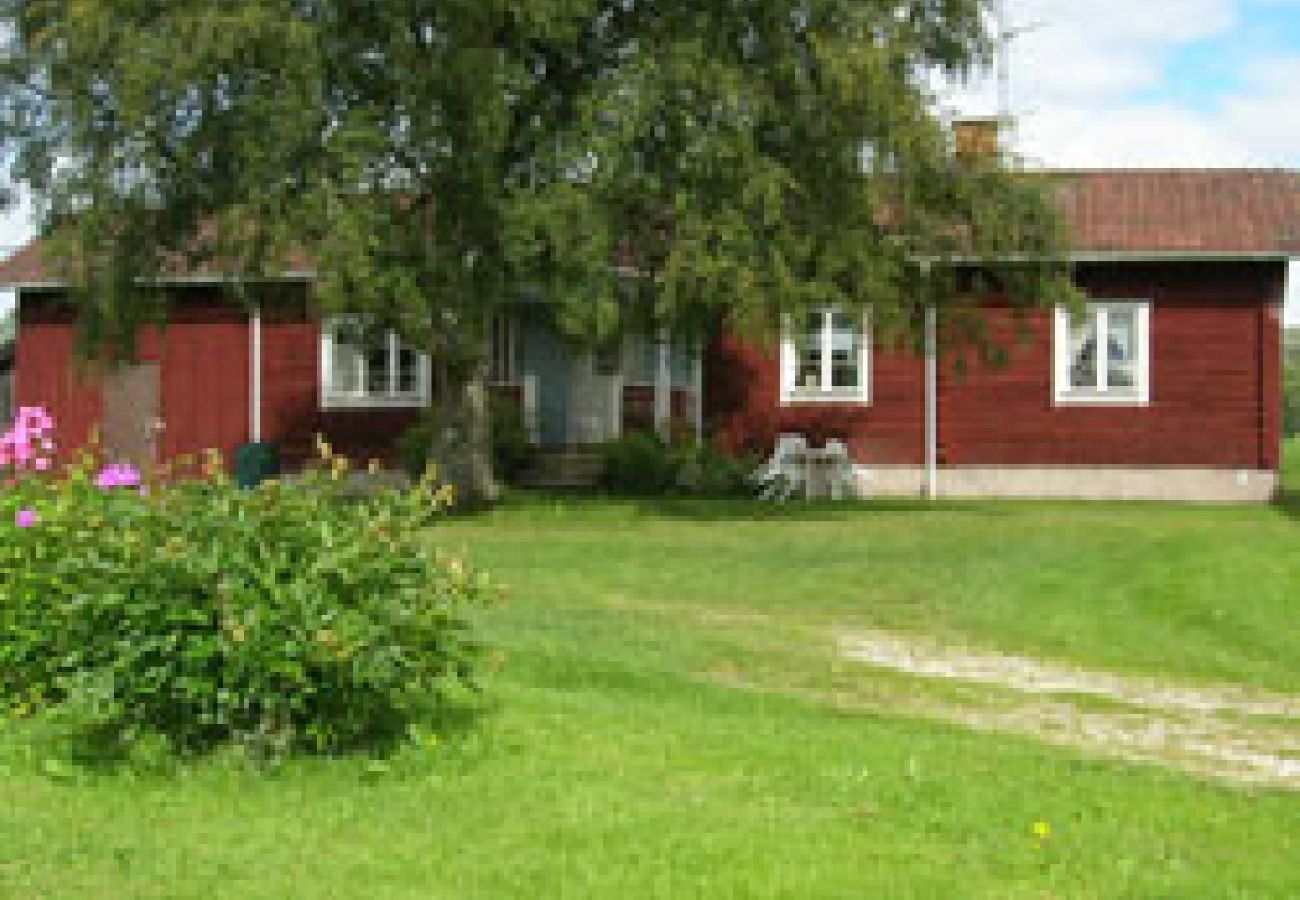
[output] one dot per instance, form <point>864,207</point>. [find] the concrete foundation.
<point>1176,485</point>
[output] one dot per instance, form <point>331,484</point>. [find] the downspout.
<point>255,376</point>
<point>931,395</point>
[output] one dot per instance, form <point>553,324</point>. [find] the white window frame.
<point>361,398</point>
<point>1064,394</point>
<point>793,395</point>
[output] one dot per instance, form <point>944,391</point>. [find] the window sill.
<point>1136,402</point>
<point>335,403</point>
<point>825,399</point>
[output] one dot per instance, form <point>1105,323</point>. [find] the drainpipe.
<point>255,375</point>
<point>931,394</point>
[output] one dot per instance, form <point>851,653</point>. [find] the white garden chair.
<point>839,468</point>
<point>786,471</point>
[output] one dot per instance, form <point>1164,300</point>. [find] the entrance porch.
<point>575,396</point>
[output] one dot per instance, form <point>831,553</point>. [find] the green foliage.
<point>708,471</point>
<point>280,619</point>
<point>639,463</point>
<point>512,453</point>
<point>437,159</point>
<point>643,464</point>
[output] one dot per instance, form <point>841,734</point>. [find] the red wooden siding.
<point>639,408</point>
<point>1215,381</point>
<point>205,380</point>
<point>1215,375</point>
<point>203,357</point>
<point>205,393</point>
<point>742,393</point>
<point>291,413</point>
<point>45,375</point>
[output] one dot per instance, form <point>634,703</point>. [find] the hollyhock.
<point>27,518</point>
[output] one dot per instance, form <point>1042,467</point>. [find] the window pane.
<point>377,369</point>
<point>846,352</point>
<point>408,370</point>
<point>808,353</point>
<point>1121,348</point>
<point>1083,353</point>
<point>344,364</point>
<point>502,350</point>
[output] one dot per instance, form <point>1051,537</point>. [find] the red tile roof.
<point>1210,212</point>
<point>1193,211</point>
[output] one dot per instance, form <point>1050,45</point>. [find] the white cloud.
<point>1090,89</point>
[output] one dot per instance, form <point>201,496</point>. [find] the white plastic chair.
<point>839,467</point>
<point>785,472</point>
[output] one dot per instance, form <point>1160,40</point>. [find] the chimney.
<point>978,138</point>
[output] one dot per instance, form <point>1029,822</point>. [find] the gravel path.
<point>1225,732</point>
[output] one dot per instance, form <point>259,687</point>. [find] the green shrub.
<point>708,471</point>
<point>641,464</point>
<point>512,453</point>
<point>282,618</point>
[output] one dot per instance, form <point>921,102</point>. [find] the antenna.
<point>1005,34</point>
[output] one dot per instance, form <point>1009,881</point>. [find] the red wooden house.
<point>1169,386</point>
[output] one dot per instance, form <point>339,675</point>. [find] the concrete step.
<point>564,469</point>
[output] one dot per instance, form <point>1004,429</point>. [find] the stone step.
<point>565,469</point>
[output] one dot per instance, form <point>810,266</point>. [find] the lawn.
<point>672,719</point>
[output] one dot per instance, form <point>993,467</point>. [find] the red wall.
<point>291,413</point>
<point>203,369</point>
<point>1216,384</point>
<point>205,394</point>
<point>1215,402</point>
<point>742,391</point>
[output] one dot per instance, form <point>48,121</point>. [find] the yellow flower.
<point>1042,830</point>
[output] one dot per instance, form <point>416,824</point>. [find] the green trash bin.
<point>255,463</point>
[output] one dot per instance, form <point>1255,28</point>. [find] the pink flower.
<point>118,475</point>
<point>34,418</point>
<point>27,518</point>
<point>41,464</point>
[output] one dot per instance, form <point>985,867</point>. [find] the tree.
<point>713,160</point>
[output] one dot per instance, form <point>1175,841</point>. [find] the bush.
<point>641,463</point>
<point>708,471</point>
<point>512,453</point>
<point>282,618</point>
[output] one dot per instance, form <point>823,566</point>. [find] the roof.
<point>1139,213</point>
<point>1211,212</point>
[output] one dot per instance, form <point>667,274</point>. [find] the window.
<point>826,357</point>
<point>1121,373</point>
<point>504,350</point>
<point>357,373</point>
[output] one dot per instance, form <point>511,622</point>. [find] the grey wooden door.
<point>131,414</point>
<point>595,388</point>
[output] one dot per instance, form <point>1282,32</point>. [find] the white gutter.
<point>1106,256</point>
<point>255,375</point>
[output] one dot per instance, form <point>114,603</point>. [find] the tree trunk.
<point>462,442</point>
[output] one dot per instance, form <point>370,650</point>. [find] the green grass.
<point>623,760</point>
<point>1291,465</point>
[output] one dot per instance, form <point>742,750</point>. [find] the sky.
<point>1146,83</point>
